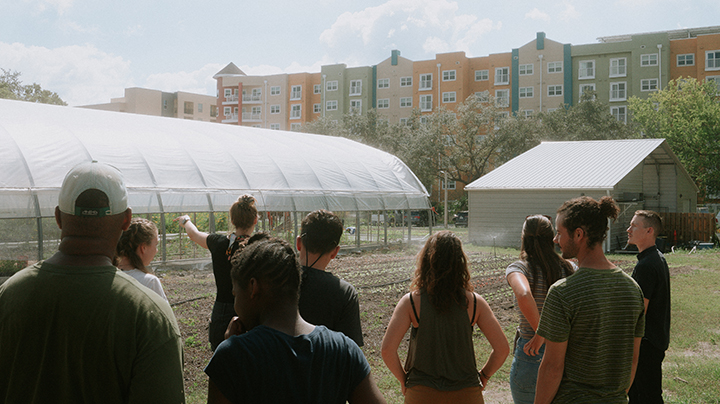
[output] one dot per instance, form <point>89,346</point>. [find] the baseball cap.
<point>102,177</point>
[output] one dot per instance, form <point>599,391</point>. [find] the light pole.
<point>445,188</point>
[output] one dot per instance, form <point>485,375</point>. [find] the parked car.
<point>419,218</point>
<point>461,218</point>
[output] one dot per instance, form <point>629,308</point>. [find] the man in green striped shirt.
<point>592,321</point>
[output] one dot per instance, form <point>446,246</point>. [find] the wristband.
<point>185,220</point>
<point>482,373</point>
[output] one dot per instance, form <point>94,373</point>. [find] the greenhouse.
<point>174,166</point>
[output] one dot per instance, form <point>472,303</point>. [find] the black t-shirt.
<point>218,245</point>
<point>653,276</point>
<point>328,300</point>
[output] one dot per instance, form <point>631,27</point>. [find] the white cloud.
<point>441,22</point>
<point>570,12</point>
<point>59,5</point>
<point>79,74</point>
<point>536,14</point>
<point>199,81</point>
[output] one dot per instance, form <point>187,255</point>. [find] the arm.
<point>636,357</point>
<point>550,372</point>
<point>490,327</point>
<point>197,236</point>
<point>398,326</point>
<point>215,396</point>
<point>528,307</point>
<point>366,392</point>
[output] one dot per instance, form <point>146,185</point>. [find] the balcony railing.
<point>251,116</point>
<point>232,98</point>
<point>252,98</point>
<point>231,118</point>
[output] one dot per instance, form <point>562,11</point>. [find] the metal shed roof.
<point>598,164</point>
<point>176,165</point>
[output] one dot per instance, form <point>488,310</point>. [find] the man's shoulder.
<point>323,279</point>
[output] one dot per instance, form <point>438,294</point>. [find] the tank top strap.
<point>472,322</point>
<point>412,303</point>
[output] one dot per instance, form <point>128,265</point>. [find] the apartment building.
<point>394,88</point>
<point>695,52</point>
<point>146,101</point>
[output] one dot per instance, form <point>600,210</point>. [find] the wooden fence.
<point>683,228</point>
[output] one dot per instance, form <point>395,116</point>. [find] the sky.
<point>89,51</point>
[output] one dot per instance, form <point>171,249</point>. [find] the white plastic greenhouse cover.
<point>176,165</point>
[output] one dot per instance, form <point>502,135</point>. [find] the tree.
<point>687,114</point>
<point>11,88</point>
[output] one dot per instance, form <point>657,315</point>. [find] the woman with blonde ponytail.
<point>244,217</point>
<point>530,278</point>
<point>135,251</point>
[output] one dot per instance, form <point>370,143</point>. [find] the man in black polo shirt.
<point>324,298</point>
<point>653,276</point>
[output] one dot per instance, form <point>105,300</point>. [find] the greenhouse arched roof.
<point>176,165</point>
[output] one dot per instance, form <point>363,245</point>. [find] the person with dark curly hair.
<point>592,321</point>
<point>442,310</point>
<point>135,251</point>
<point>244,217</point>
<point>271,354</point>
<point>530,277</point>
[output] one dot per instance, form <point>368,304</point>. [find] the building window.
<point>686,60</point>
<point>355,107</point>
<point>715,79</point>
<point>502,98</point>
<point>587,87</point>
<point>257,125</point>
<point>483,96</point>
<point>384,103</point>
<point>405,81</point>
<point>712,60</point>
<point>406,102</point>
<point>275,126</point>
<point>426,81</point>
<point>649,60</point>
<point>587,69</point>
<point>526,70</point>
<point>295,127</point>
<point>620,113</point>
<point>274,109</point>
<point>450,184</point>
<point>331,105</point>
<point>227,112</point>
<point>403,121</point>
<point>554,91</point>
<point>228,93</point>
<point>213,111</point>
<point>648,84</point>
<point>189,108</point>
<point>316,109</point>
<point>502,75</point>
<point>555,67</point>
<point>449,97</point>
<point>618,67</point>
<point>482,75</point>
<point>383,83</point>
<point>426,102</point>
<point>355,87</point>
<point>332,85</point>
<point>618,91</point>
<point>200,107</point>
<point>275,90</point>
<point>448,75</point>
<point>295,92</point>
<point>316,89</point>
<point>527,113</point>
<point>256,112</point>
<point>295,111</point>
<point>526,92</point>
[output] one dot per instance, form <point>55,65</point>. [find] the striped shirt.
<point>598,312</point>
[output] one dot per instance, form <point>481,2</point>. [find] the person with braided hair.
<point>271,354</point>
<point>244,217</point>
<point>530,277</point>
<point>135,251</point>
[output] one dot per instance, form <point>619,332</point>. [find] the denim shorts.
<point>523,373</point>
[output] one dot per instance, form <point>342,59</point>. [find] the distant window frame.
<point>555,67</point>
<point>526,69</point>
<point>686,59</point>
<point>502,75</point>
<point>449,75</point>
<point>586,69</point>
<point>482,75</point>
<point>383,83</point>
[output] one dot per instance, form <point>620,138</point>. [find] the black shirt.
<point>653,276</point>
<point>328,300</point>
<point>218,245</point>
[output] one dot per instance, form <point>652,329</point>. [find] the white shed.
<point>637,173</point>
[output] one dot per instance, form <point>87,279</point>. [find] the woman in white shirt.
<point>135,251</point>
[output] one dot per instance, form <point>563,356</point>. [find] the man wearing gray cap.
<point>74,328</point>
